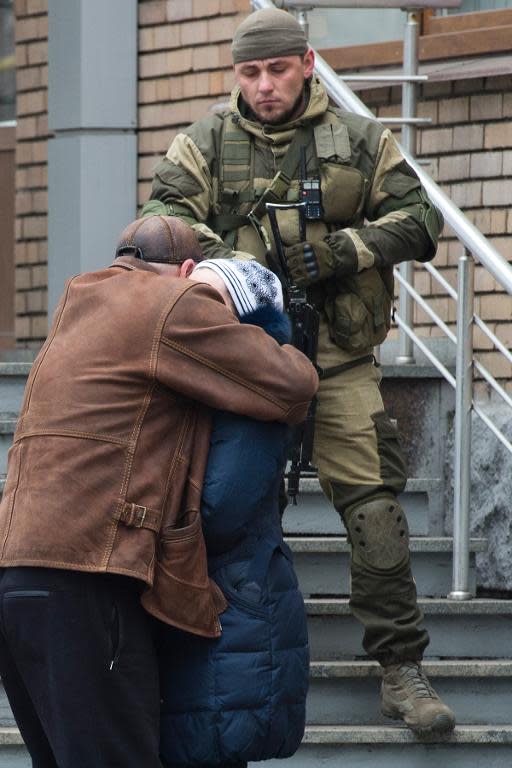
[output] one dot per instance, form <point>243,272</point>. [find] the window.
<point>7,70</point>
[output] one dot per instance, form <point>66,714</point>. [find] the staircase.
<point>469,659</point>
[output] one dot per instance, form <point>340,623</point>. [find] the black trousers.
<point>79,667</point>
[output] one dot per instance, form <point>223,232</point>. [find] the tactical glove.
<point>309,264</point>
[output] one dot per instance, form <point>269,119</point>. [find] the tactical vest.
<point>358,307</point>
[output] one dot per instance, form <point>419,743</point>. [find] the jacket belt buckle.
<point>137,516</point>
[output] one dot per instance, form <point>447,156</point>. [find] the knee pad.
<point>378,531</point>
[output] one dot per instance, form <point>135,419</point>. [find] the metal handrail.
<point>475,245</point>
<point>467,233</point>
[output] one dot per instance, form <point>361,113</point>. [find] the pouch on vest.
<point>359,317</point>
<point>343,187</point>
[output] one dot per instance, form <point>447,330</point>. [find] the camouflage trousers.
<point>361,470</point>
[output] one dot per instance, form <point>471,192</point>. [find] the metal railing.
<point>473,245</point>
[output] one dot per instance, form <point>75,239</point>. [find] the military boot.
<point>407,695</point>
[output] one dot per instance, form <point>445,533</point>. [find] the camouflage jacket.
<point>373,204</point>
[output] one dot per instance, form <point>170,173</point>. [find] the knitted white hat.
<point>249,284</point>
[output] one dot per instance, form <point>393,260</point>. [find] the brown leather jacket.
<point>107,464</point>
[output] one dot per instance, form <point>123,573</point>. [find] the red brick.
<point>225,56</point>
<point>496,363</point>
<point>428,109</point>
<point>178,10</point>
<point>143,192</point>
<point>39,326</point>
<point>22,327</point>
<point>468,194</point>
<point>498,192</point>
<point>21,55</point>
<point>29,79</point>
<point>498,135</point>
<point>26,128</point>
<point>232,6</point>
<point>152,12</point>
<point>37,301</point>
<point>499,221</point>
<point>487,106</point>
<point>168,36</point>
<point>27,29</point>
<point>20,303</point>
<point>222,28</point>
<point>31,103</point>
<point>194,33</point>
<point>35,227</point>
<point>42,125</point>
<point>151,142</point>
<point>507,105</point>
<point>22,278</point>
<point>20,253</point>
<point>454,110</point>
<point>146,91</point>
<point>486,164</point>
<point>229,80</point>
<point>467,137</point>
<point>453,167</point>
<point>436,140</point>
<point>200,108</point>
<point>40,201</point>
<point>40,276</point>
<point>205,7</point>
<point>206,57</point>
<point>158,115</point>
<point>37,53</point>
<point>23,202</point>
<point>170,89</point>
<point>37,6</point>
<point>215,82</point>
<point>507,163</point>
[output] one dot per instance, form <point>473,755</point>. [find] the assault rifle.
<point>304,318</point>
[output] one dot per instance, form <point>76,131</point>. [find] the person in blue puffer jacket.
<point>241,697</point>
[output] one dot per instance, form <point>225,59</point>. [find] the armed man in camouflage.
<point>280,138</point>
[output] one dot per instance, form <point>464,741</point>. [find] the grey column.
<point>92,114</point>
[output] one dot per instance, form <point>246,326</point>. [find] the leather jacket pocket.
<point>182,593</point>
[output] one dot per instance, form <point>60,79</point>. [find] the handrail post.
<point>409,103</point>
<point>463,400</point>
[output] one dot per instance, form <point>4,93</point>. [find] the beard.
<point>294,111</point>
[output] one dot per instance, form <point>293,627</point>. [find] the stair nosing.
<point>460,668</point>
<point>336,544</point>
<point>383,734</point>
<point>429,605</point>
<point>10,736</point>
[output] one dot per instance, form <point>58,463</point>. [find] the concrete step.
<point>458,629</point>
<point>7,427</point>
<point>13,753</point>
<point>322,564</point>
<point>314,514</point>
<point>469,746</point>
<point>348,692</point>
<point>13,377</point>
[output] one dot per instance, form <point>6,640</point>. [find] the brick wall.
<point>184,69</point>
<point>469,153</point>
<point>31,250</point>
